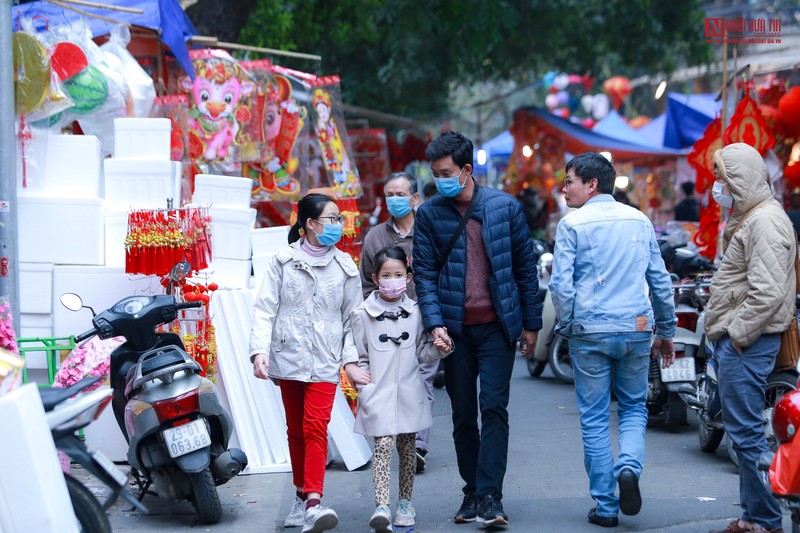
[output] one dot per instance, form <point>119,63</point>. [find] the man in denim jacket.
<point>606,258</point>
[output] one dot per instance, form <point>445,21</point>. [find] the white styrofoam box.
<point>33,325</point>
<point>268,241</point>
<point>36,287</point>
<point>177,178</point>
<point>72,168</point>
<point>100,287</point>
<point>67,231</point>
<point>116,229</point>
<point>229,273</point>
<point>230,232</point>
<point>260,264</point>
<point>105,436</point>
<point>33,494</point>
<point>222,191</point>
<point>137,184</point>
<point>142,138</point>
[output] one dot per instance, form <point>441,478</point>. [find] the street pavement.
<point>546,487</point>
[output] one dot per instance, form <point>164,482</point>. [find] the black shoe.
<point>421,460</point>
<point>602,521</point>
<point>490,512</point>
<point>630,499</point>
<point>469,509</point>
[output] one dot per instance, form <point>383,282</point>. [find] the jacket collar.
<point>374,309</point>
<point>298,255</point>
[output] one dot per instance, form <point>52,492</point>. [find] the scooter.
<point>671,390</point>
<point>171,416</point>
<point>779,469</point>
<point>65,415</point>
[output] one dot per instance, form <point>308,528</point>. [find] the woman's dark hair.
<point>310,206</point>
<point>390,252</point>
<point>593,165</point>
<point>453,144</point>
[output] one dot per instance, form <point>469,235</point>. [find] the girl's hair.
<point>310,206</point>
<point>390,252</point>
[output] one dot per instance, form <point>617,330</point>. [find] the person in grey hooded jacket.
<point>751,304</point>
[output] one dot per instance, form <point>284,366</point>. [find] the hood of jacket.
<point>744,170</point>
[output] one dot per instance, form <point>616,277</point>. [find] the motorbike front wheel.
<point>560,360</point>
<point>205,498</point>
<point>777,385</point>
<point>89,512</point>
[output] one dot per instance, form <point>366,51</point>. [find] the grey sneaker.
<point>295,518</point>
<point>405,516</point>
<point>381,520</point>
<point>318,519</point>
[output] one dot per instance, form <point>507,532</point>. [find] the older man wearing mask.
<point>400,190</point>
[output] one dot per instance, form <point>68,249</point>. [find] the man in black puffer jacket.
<point>481,297</point>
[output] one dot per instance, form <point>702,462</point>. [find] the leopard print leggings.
<point>381,466</point>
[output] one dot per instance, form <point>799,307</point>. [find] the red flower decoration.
<point>243,115</point>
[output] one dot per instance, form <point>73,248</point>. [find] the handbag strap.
<point>464,219</point>
<point>796,266</point>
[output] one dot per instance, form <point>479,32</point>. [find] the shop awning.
<point>578,139</point>
<point>163,16</point>
<point>688,115</point>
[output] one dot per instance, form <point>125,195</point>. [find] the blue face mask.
<point>398,206</point>
<point>331,233</point>
<point>450,187</point>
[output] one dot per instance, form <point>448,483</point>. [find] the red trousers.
<point>308,411</point>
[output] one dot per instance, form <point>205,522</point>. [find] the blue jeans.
<point>600,359</point>
<point>742,379</point>
<point>483,353</point>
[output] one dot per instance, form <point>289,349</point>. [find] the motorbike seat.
<point>151,362</point>
<point>52,396</point>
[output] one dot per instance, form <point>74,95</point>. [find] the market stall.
<point>180,176</point>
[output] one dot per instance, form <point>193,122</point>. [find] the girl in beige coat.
<point>391,341</point>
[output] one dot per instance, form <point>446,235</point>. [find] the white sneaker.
<point>318,519</point>
<point>295,518</point>
<point>381,520</point>
<point>405,516</point>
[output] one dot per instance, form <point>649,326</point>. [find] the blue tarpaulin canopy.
<point>688,115</point>
<point>163,16</point>
<point>613,125</point>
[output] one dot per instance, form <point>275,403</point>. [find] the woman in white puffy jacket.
<point>298,340</point>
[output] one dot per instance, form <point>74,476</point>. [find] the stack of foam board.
<point>266,243</point>
<point>139,176</point>
<point>60,221</point>
<point>255,404</point>
<point>232,220</point>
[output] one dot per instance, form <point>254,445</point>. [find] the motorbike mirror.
<point>180,271</point>
<point>71,301</point>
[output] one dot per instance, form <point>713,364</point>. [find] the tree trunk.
<point>222,19</point>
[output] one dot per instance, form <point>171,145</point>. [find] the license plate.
<point>682,369</point>
<point>112,469</point>
<point>186,438</point>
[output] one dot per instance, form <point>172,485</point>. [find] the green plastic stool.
<point>52,346</point>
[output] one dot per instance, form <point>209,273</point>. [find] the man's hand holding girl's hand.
<point>441,340</point>
<point>357,375</point>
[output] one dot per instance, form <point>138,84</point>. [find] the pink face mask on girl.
<point>392,287</point>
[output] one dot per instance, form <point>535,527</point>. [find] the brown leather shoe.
<point>740,526</point>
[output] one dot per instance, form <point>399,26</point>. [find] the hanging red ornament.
<point>791,174</point>
<point>701,157</point>
<point>748,126</point>
<point>618,89</point>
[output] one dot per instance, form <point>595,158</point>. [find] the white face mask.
<point>725,200</point>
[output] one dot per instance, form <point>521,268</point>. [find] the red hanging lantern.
<point>791,174</point>
<point>618,89</point>
<point>789,107</point>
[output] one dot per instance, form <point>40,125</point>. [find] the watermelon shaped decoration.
<point>67,60</point>
<point>88,90</point>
